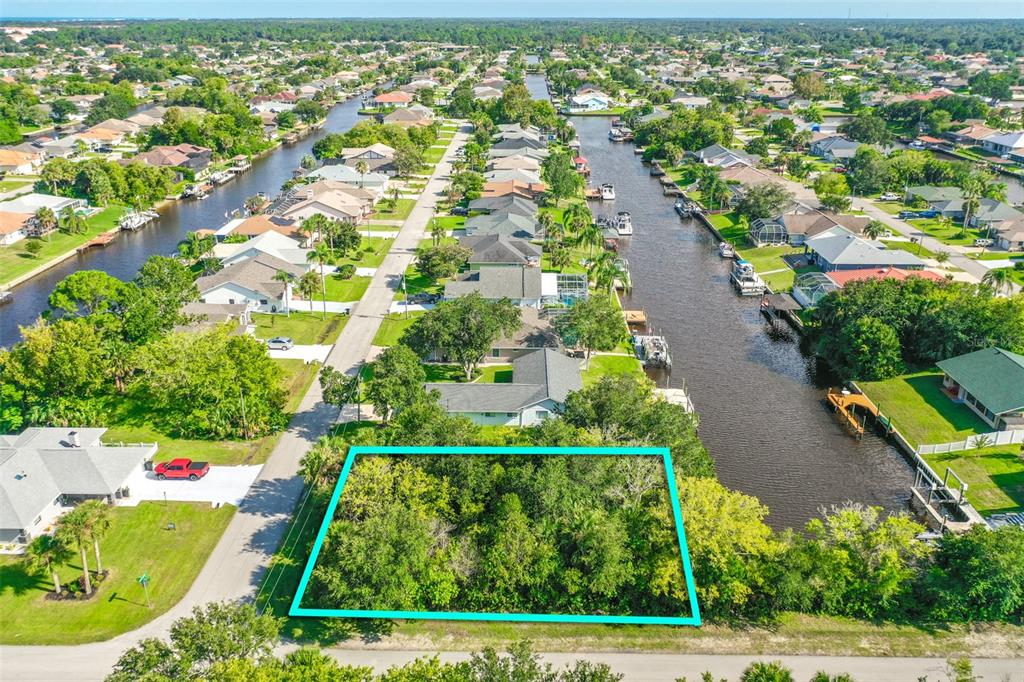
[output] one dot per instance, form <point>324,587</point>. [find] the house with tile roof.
<point>991,383</point>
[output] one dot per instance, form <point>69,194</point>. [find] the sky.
<point>204,9</point>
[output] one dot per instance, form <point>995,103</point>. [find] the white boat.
<point>726,250</point>
<point>746,281</point>
<point>652,351</point>
<point>607,192</point>
<point>623,224</point>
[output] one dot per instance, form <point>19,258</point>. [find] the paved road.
<point>661,667</point>
<point>236,566</point>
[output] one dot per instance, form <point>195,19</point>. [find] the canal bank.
<point>123,256</point>
<point>761,400</point>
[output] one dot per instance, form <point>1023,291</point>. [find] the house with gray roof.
<point>43,471</point>
<point>991,383</point>
<point>250,282</point>
<point>839,249</point>
<point>521,285</point>
<point>498,250</point>
<point>503,222</point>
<point>835,148</point>
<point>541,381</point>
<point>510,203</point>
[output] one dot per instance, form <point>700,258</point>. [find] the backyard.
<point>138,542</point>
<point>924,414</point>
<point>15,261</point>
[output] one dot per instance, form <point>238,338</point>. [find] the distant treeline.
<point>834,35</point>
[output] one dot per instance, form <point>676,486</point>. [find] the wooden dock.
<point>846,404</point>
<point>100,240</point>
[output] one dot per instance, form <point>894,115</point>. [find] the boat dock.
<point>100,240</point>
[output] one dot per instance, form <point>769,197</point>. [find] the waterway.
<point>123,257</point>
<point>760,400</point>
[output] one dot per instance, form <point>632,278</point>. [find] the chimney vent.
<point>73,439</point>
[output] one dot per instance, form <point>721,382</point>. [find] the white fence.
<point>980,440</point>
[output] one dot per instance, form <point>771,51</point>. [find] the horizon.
<point>854,10</point>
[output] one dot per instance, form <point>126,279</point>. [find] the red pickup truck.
<point>181,468</point>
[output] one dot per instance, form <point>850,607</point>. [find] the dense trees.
<point>871,329</point>
<point>441,260</point>
<point>105,182</point>
<point>763,201</point>
<point>594,323</point>
<point>463,329</point>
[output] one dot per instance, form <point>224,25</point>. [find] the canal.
<point>123,257</point>
<point>762,412</point>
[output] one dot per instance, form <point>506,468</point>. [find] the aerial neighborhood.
<point>312,331</point>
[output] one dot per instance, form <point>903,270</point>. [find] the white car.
<point>889,196</point>
<point>280,343</point>
<point>983,242</point>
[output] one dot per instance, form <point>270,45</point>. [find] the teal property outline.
<point>297,609</point>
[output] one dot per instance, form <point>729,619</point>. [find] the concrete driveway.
<point>223,485</point>
<point>317,352</point>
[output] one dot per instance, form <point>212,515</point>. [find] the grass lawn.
<point>730,226</point>
<point>133,422</point>
<point>8,185</point>
<point>921,411</point>
<point>302,327</point>
<point>998,255</point>
<point>915,249</point>
<point>994,476</point>
<point>418,283</point>
<point>494,374</point>
<point>137,543</point>
<point>450,222</point>
<point>767,258</point>
<point>393,326</point>
<point>344,290</point>
<point>601,365</point>
<point>890,207</point>
<point>401,211</point>
<point>950,234</point>
<point>577,256</point>
<point>371,252</point>
<point>14,261</point>
<point>433,155</point>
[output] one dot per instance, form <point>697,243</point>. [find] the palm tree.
<point>605,269</point>
<point>307,286</point>
<point>362,168</point>
<point>313,226</point>
<point>322,255</point>
<point>875,229</point>
<point>73,529</point>
<point>577,216</point>
<point>194,246</point>
<point>590,236</point>
<point>97,514</point>
<point>254,203</point>
<point>559,256</point>
<point>286,278</point>
<point>46,553</point>
<point>46,219</point>
<point>972,191</point>
<point>942,257</point>
<point>71,222</point>
<point>999,279</point>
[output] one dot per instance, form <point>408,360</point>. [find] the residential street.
<point>236,567</point>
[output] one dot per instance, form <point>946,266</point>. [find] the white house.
<point>590,102</point>
<point>270,243</point>
<point>43,471</point>
<point>14,227</point>
<point>541,381</point>
<point>250,282</point>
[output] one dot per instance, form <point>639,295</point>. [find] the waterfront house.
<point>14,227</point>
<point>343,173</point>
<point>409,118</point>
<point>1006,145</point>
<point>515,162</point>
<point>839,249</point>
<point>810,287</point>
<point>44,471</point>
<point>189,156</point>
<point>250,282</point>
<point>503,222</point>
<point>336,200</point>
<point>541,381</point>
<point>801,223</point>
<point>32,202</point>
<point>510,202</point>
<point>530,191</point>
<point>835,148</point>
<point>21,162</point>
<point>271,243</point>
<point>379,158</point>
<point>722,157</point>
<point>499,250</point>
<point>594,101</point>
<point>517,175</point>
<point>972,134</point>
<point>256,225</point>
<point>521,285</point>
<point>991,383</point>
<point>395,99</point>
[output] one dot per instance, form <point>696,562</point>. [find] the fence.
<point>980,440</point>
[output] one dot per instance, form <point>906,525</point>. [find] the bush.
<point>346,271</point>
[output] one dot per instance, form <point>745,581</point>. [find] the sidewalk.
<point>235,569</point>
